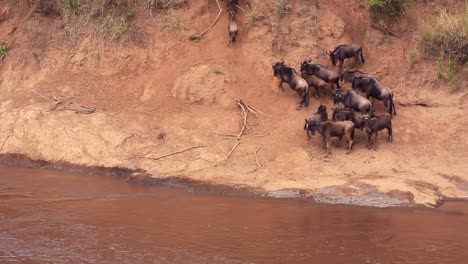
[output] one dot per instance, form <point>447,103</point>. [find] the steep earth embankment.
<point>93,101</point>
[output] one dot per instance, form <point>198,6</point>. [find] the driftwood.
<point>199,36</point>
<point>418,103</point>
<point>256,159</point>
<point>175,152</point>
<point>232,150</point>
<point>244,114</point>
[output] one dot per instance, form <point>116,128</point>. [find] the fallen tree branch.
<point>244,114</point>
<point>419,103</point>
<point>6,139</point>
<point>256,159</point>
<point>232,150</point>
<point>175,152</point>
<point>253,109</point>
<point>225,135</point>
<point>384,28</point>
<point>142,155</point>
<point>199,36</point>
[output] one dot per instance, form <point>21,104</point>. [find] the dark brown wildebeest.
<point>317,83</point>
<point>320,115</point>
<point>350,99</point>
<point>374,124</point>
<point>348,76</point>
<point>323,73</point>
<point>233,29</point>
<point>349,115</point>
<point>296,82</point>
<point>342,52</point>
<point>372,87</point>
<point>329,129</point>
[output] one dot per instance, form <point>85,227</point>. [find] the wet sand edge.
<point>329,195</point>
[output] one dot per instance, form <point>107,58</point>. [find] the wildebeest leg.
<point>369,138</point>
<point>390,133</point>
<point>374,144</point>
<point>324,144</point>
<point>280,85</point>
<point>341,66</point>
<point>328,146</point>
<point>356,58</point>
<point>350,142</point>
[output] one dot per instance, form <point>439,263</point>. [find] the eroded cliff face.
<point>92,100</point>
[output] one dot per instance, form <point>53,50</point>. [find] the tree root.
<point>199,36</point>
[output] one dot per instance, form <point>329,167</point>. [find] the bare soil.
<point>93,101</point>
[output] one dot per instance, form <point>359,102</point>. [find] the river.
<point>49,217</point>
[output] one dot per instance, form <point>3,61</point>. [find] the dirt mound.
<point>206,84</point>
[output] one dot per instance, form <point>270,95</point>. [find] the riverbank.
<point>168,108</point>
<point>370,197</point>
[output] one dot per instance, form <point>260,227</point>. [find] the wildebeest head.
<point>304,65</point>
<point>332,55</point>
<point>278,68</point>
<point>338,96</point>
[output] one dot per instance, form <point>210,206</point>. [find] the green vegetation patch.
<point>3,51</point>
<point>447,36</point>
<point>389,7</point>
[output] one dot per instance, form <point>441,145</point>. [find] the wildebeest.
<point>372,87</point>
<point>374,124</point>
<point>350,99</point>
<point>348,76</point>
<point>320,115</point>
<point>233,29</point>
<point>329,129</point>
<point>342,52</point>
<point>349,115</point>
<point>323,73</point>
<point>296,82</point>
<point>317,83</point>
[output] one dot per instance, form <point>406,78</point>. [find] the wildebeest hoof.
<point>348,152</point>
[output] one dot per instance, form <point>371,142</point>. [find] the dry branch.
<point>142,155</point>
<point>225,135</point>
<point>419,103</point>
<point>244,114</point>
<point>199,36</point>
<point>384,28</point>
<point>175,152</point>
<point>256,159</point>
<point>232,150</point>
<point>6,139</point>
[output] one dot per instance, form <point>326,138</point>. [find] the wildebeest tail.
<point>362,56</point>
<point>392,105</point>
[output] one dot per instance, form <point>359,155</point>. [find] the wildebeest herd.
<point>351,109</point>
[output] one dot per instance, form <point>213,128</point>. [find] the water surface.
<point>48,217</point>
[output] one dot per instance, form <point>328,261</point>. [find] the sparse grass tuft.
<point>412,56</point>
<point>164,4</point>
<point>447,36</point>
<point>174,25</point>
<point>281,8</point>
<point>97,56</point>
<point>388,7</point>
<point>115,27</point>
<point>251,14</point>
<point>3,52</point>
<point>218,72</point>
<point>448,71</point>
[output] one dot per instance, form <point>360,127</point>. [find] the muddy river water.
<point>48,217</point>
